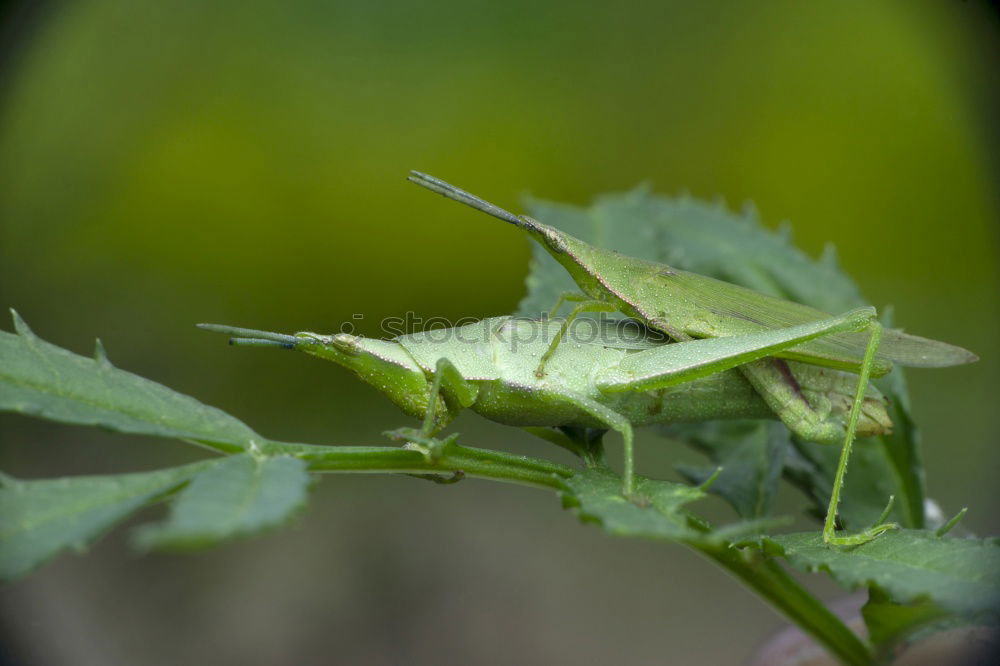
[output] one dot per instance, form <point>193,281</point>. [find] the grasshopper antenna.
<point>450,191</point>
<point>249,337</point>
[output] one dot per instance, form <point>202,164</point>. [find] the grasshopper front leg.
<point>567,297</point>
<point>458,393</point>
<point>584,305</point>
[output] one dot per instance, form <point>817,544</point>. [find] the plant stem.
<point>753,568</point>
<point>389,459</point>
<point>769,580</point>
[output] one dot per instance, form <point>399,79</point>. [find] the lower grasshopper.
<point>610,377</point>
<point>687,306</point>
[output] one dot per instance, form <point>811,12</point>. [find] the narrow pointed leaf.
<point>40,379</point>
<point>239,496</point>
<point>38,519</point>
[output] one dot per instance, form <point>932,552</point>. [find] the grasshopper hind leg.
<point>830,535</point>
<point>773,380</point>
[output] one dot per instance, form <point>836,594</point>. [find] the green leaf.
<point>239,496</point>
<point>597,494</point>
<point>961,576</point>
<point>751,455</point>
<point>40,379</point>
<point>42,518</point>
<point>890,624</point>
<point>711,240</point>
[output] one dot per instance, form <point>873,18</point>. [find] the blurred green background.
<point>163,164</point>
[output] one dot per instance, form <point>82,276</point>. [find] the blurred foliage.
<point>163,164</point>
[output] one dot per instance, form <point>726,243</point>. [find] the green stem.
<point>758,572</point>
<point>395,460</point>
<point>768,579</point>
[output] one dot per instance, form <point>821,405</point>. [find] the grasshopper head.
<point>383,364</point>
<point>554,241</point>
<point>587,264</point>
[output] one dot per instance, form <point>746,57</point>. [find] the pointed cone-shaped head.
<point>597,271</point>
<point>383,364</point>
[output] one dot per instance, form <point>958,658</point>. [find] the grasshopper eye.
<point>553,239</point>
<point>344,342</point>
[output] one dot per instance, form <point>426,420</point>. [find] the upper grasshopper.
<point>688,306</point>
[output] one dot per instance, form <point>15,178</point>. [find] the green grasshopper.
<point>609,377</point>
<point>687,307</point>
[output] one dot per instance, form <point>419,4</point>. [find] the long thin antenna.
<point>257,342</point>
<point>252,337</point>
<point>448,190</point>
